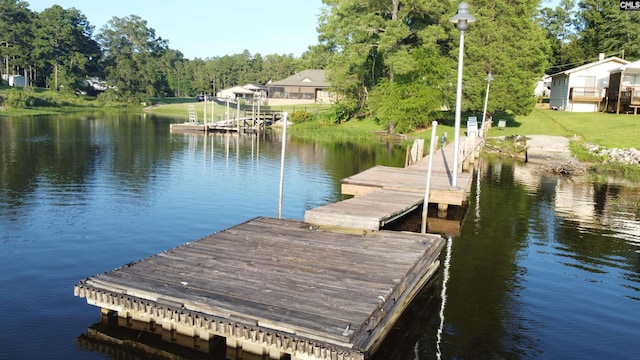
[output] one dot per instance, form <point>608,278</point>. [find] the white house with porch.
<point>583,88</point>
<point>623,94</point>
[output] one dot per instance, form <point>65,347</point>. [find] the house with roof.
<point>542,86</point>
<point>236,92</point>
<point>583,88</point>
<point>259,90</point>
<point>305,87</point>
<point>623,94</point>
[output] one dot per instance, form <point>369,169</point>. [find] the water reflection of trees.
<point>69,154</point>
<point>526,220</point>
<point>485,275</point>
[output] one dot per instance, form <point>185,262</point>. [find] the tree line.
<point>392,60</point>
<point>59,49</point>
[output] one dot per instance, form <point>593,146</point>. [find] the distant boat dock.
<point>330,287</point>
<point>249,122</point>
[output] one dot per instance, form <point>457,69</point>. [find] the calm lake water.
<point>542,267</point>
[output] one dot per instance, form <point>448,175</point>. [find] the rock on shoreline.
<point>629,156</point>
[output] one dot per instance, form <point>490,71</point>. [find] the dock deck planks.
<point>368,212</point>
<point>384,193</point>
<point>414,177</point>
<point>312,292</point>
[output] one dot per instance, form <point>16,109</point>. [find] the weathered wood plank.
<point>279,275</point>
<point>414,177</point>
<point>371,211</point>
<point>231,305</point>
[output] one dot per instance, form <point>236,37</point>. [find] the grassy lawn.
<point>351,131</point>
<point>38,101</point>
<point>608,130</point>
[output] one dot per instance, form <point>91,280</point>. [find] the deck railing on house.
<point>587,93</point>
<point>630,96</point>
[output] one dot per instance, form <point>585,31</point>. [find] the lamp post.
<point>462,20</point>
<point>486,100</point>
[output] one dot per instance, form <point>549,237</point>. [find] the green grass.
<point>328,131</point>
<point>607,130</point>
<point>39,101</point>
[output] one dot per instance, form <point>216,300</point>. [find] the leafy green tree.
<point>316,57</point>
<point>506,41</point>
<point>16,23</point>
<point>561,24</point>
<point>133,58</point>
<point>591,21</point>
<point>414,99</point>
<point>199,74</point>
<point>64,38</point>
<point>276,67</point>
<point>374,44</point>
<point>178,80</point>
<point>238,69</point>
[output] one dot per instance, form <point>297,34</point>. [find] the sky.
<point>210,28</point>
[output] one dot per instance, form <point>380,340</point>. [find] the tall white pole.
<point>486,100</point>
<point>259,101</point>
<point>238,113</point>
<point>285,115</point>
<point>456,133</point>
<point>213,96</point>
<point>427,188</point>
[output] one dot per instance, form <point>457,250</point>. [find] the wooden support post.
<point>442,210</point>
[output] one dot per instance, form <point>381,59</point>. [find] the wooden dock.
<point>331,287</point>
<point>383,194</point>
<point>246,126</point>
<point>277,288</point>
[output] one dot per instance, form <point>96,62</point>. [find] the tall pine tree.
<point>388,55</point>
<point>606,29</point>
<point>506,41</point>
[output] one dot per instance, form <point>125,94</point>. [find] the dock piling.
<point>425,204</point>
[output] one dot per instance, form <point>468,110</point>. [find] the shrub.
<point>300,116</point>
<point>108,97</point>
<point>327,118</point>
<point>344,110</point>
<point>17,99</point>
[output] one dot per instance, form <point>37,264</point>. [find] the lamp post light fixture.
<point>462,20</point>
<point>486,100</point>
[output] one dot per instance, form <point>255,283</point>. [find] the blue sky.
<point>209,28</point>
